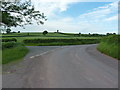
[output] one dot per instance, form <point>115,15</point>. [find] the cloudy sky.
<point>76,16</point>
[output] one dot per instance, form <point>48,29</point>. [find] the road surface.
<point>80,66</point>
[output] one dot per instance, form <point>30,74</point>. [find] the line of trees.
<point>95,34</point>
<point>87,35</point>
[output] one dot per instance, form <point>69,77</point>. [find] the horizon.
<point>66,32</point>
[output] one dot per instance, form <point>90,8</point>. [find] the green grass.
<point>35,34</point>
<point>39,34</point>
<point>13,54</point>
<point>20,39</point>
<point>16,53</point>
<point>22,36</point>
<point>52,36</point>
<point>110,46</point>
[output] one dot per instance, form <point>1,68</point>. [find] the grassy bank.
<point>14,53</point>
<point>110,46</point>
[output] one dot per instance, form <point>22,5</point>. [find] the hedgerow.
<point>9,40</point>
<point>60,41</point>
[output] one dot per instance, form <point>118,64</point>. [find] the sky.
<point>76,16</point>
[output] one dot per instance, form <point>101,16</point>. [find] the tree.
<point>18,31</point>
<point>79,33</point>
<point>8,30</point>
<point>114,33</point>
<point>57,31</point>
<point>45,32</point>
<point>19,14</point>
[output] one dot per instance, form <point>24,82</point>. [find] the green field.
<point>39,34</point>
<point>22,36</point>
<point>13,53</point>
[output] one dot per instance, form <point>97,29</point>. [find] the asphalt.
<point>80,66</point>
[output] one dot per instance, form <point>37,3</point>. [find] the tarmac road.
<point>80,66</point>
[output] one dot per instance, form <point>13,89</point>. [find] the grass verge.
<point>13,54</point>
<point>110,46</point>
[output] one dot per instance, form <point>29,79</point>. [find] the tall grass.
<point>110,45</point>
<point>15,53</point>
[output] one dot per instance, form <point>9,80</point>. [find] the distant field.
<point>10,52</point>
<point>22,36</point>
<point>35,34</point>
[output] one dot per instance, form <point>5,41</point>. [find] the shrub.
<point>8,45</point>
<point>45,32</point>
<point>8,30</point>
<point>9,40</point>
<point>63,41</point>
<point>18,31</point>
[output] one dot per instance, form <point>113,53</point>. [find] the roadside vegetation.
<point>13,44</point>
<point>12,51</point>
<point>110,45</point>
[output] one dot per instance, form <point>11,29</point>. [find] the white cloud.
<point>67,19</point>
<point>102,11</point>
<point>112,18</point>
<point>99,20</point>
<point>104,7</point>
<point>52,7</point>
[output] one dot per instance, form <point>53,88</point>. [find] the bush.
<point>6,45</point>
<point>45,32</point>
<point>18,31</point>
<point>8,30</point>
<point>63,41</point>
<point>9,40</point>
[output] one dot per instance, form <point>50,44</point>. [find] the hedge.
<point>82,41</point>
<point>9,40</point>
<point>6,45</point>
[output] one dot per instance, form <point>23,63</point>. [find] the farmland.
<point>16,42</point>
<point>51,39</point>
<point>22,36</point>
